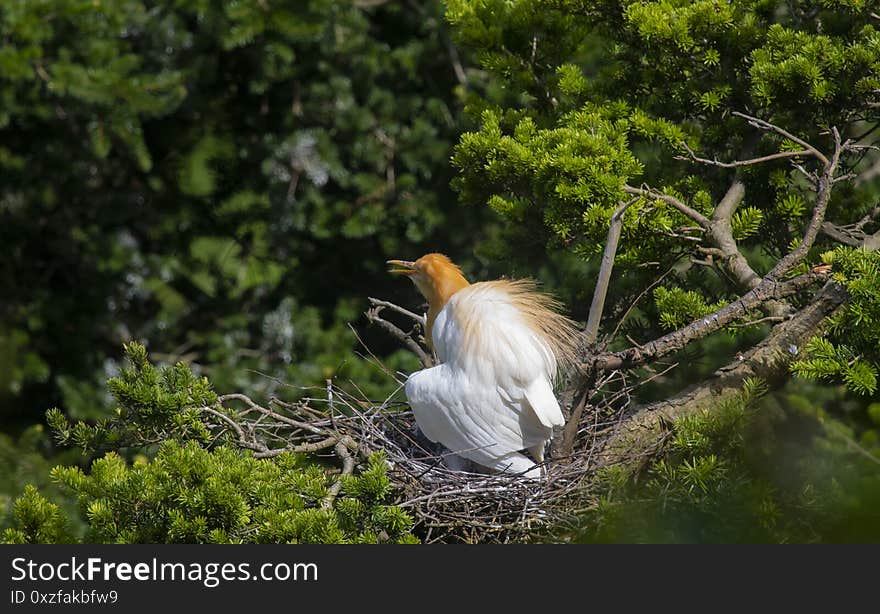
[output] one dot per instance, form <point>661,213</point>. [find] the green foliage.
<point>152,405</point>
<point>191,495</point>
<point>746,222</point>
<point>809,68</point>
<point>37,521</point>
<point>851,351</point>
<point>584,160</point>
<point>753,468</point>
<point>679,307</point>
<point>25,464</point>
<point>188,172</point>
<point>197,488</point>
<point>624,84</point>
<point>791,207</point>
<point>825,360</point>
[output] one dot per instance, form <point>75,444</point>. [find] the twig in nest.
<point>406,312</point>
<point>447,505</point>
<point>406,338</point>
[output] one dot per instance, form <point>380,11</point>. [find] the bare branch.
<point>765,125</point>
<point>342,451</point>
<point>808,175</point>
<point>768,289</point>
<point>869,217</point>
<point>823,195</point>
<point>242,438</point>
<point>851,234</point>
<point>712,251</point>
<point>693,214</point>
<point>872,242</point>
<point>739,163</point>
<point>272,414</point>
<point>419,319</point>
<point>729,257</point>
<point>841,234</point>
<point>730,201</point>
<point>591,331</point>
<point>455,60</point>
<point>411,344</point>
<point>769,360</point>
<point>762,290</point>
<point>570,430</point>
<point>758,321</point>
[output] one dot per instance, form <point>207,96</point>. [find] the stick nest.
<point>447,504</point>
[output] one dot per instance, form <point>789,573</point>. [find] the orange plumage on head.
<point>437,278</point>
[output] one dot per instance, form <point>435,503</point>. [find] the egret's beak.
<point>404,267</point>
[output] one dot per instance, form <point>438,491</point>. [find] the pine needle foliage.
<point>152,405</point>
<point>198,489</point>
<point>756,468</point>
<point>850,350</point>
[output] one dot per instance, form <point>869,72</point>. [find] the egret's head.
<point>435,275</point>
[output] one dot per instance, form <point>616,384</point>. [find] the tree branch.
<point>768,288</point>
<point>739,163</point>
<point>374,318</point>
<point>419,319</point>
<point>720,233</point>
<point>693,214</point>
<point>591,332</point>
<point>769,360</point>
<point>342,451</point>
<point>842,235</point>
<point>823,195</point>
<point>764,125</point>
<point>851,234</point>
<point>872,242</point>
<point>730,201</point>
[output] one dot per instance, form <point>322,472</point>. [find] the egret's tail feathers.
<point>516,463</point>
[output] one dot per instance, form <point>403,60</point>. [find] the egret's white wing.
<point>472,419</point>
<point>480,332</point>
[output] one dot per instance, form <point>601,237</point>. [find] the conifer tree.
<point>738,137</point>
<point>198,487</point>
<point>735,142</point>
